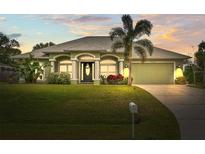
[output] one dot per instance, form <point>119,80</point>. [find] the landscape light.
<point>133,110</point>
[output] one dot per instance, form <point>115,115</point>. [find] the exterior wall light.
<point>178,72</point>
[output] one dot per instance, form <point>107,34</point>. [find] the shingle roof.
<point>159,53</point>
<point>89,43</point>
<point>94,43</point>
<point>36,53</point>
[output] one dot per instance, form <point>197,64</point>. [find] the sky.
<point>179,33</point>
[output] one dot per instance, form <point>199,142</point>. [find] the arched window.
<point>108,67</point>
<point>66,67</point>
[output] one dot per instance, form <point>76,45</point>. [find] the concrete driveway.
<point>188,105</point>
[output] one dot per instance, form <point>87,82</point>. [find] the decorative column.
<point>52,65</point>
<point>74,71</point>
<point>97,72</point>
<point>121,66</point>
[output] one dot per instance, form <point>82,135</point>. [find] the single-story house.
<point>89,57</point>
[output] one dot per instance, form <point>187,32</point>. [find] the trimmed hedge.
<point>58,78</point>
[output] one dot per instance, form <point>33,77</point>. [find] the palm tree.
<point>128,38</point>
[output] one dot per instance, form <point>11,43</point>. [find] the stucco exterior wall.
<point>100,55</point>
<point>75,56</point>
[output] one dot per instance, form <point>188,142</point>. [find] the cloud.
<point>68,19</point>
<point>15,35</point>
<point>2,18</point>
<point>174,32</point>
<point>39,33</point>
<point>89,18</point>
<point>81,25</point>
<point>87,30</point>
<point>169,35</point>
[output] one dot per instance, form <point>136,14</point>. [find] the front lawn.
<point>41,111</point>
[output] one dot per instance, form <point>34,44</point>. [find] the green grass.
<point>30,111</point>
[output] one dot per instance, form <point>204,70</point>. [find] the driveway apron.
<point>187,104</point>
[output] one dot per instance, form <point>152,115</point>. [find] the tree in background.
<point>8,47</point>
<point>200,55</point>
<point>200,58</point>
<point>43,45</point>
<point>30,69</point>
<point>128,37</point>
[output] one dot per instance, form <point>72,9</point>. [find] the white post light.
<point>133,110</point>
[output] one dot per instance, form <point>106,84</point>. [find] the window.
<point>108,67</point>
<point>66,67</point>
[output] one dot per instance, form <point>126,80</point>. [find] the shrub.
<point>30,69</point>
<point>123,82</point>
<point>103,79</point>
<point>52,78</point>
<point>180,80</point>
<point>115,79</point>
<point>58,78</point>
<point>13,78</point>
<point>199,77</point>
<point>189,75</point>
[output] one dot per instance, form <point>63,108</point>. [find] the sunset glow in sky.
<point>180,33</point>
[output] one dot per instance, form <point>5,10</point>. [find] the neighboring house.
<point>89,57</point>
<point>8,73</point>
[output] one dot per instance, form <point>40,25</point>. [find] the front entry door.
<point>86,71</point>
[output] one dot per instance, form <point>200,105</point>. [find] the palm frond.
<point>117,45</point>
<point>141,52</point>
<point>117,32</point>
<point>127,23</point>
<point>143,27</point>
<point>145,43</point>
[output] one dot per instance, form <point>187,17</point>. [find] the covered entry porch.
<point>87,67</point>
